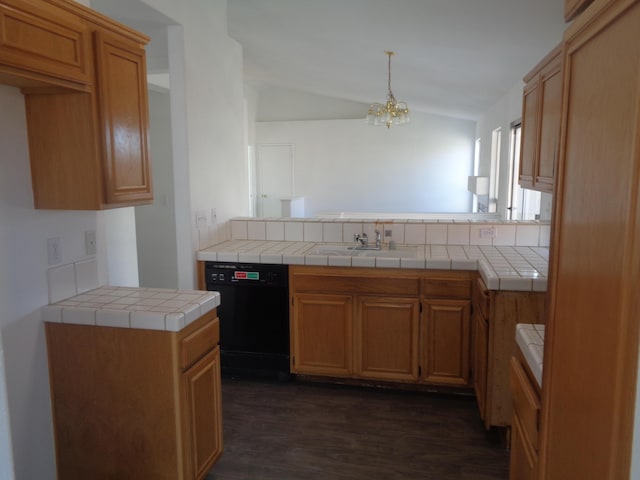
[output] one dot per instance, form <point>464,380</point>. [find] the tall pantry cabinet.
<point>591,347</point>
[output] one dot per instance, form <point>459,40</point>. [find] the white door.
<point>275,177</point>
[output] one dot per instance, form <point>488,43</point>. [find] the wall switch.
<point>201,219</point>
<point>488,232</point>
<point>54,252</point>
<point>90,242</point>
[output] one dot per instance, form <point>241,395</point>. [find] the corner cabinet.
<point>84,82</point>
<point>541,105</point>
<point>132,403</point>
<point>380,324</point>
<point>495,315</point>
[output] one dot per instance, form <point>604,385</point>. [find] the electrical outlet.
<point>388,233</point>
<point>54,250</point>
<point>90,242</point>
<point>201,219</point>
<point>488,232</point>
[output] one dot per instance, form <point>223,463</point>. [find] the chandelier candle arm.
<point>391,112</point>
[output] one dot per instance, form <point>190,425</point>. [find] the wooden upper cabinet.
<point>42,45</point>
<point>88,142</point>
<point>123,107</point>
<point>572,8</point>
<point>541,106</point>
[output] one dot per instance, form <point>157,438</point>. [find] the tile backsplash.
<point>67,280</point>
<point>410,232</point>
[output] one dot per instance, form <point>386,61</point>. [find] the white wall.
<point>23,290</point>
<point>156,223</point>
<point>207,116</point>
<point>347,165</point>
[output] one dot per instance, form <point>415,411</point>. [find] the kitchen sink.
<point>398,252</point>
<point>351,251</point>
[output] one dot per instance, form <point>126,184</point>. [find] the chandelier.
<point>392,112</point>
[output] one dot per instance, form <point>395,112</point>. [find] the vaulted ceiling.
<point>454,57</point>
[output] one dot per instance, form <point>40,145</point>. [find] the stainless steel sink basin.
<point>350,250</point>
<point>398,252</point>
<point>334,250</point>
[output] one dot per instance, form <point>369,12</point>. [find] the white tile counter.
<point>516,268</point>
<point>129,307</point>
<point>530,339</point>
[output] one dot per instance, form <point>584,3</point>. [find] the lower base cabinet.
<point>396,325</point>
<point>495,315</point>
<point>132,404</point>
<point>323,329</point>
<point>446,336</point>
<point>386,338</point>
<point>525,422</point>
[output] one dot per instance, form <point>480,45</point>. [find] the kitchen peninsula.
<point>135,383</point>
<point>441,315</point>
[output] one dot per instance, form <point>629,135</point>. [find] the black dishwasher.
<point>254,318</point>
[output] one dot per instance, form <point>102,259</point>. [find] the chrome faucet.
<point>361,240</point>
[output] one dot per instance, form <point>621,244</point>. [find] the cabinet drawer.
<point>446,287</point>
<point>373,285</point>
<point>525,401</point>
<point>43,40</point>
<point>197,343</point>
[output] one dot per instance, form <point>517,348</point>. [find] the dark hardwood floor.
<point>304,431</point>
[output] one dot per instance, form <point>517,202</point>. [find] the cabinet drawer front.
<point>41,40</point>
<point>525,401</point>
<point>199,342</point>
<point>447,287</point>
<point>357,284</point>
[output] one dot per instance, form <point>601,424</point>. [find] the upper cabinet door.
<point>123,107</point>
<point>42,44</point>
<point>549,129</point>
<point>541,106</point>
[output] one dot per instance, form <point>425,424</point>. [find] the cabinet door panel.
<point>551,103</point>
<point>45,41</point>
<point>529,134</point>
<point>124,106</point>
<point>322,334</point>
<point>446,341</point>
<point>203,411</point>
<point>480,352</point>
<point>523,459</point>
<point>386,339</point>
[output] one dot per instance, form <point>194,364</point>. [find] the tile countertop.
<point>130,307</point>
<point>530,339</point>
<point>501,267</point>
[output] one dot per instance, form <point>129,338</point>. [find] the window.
<point>522,204</point>
<point>496,140</point>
